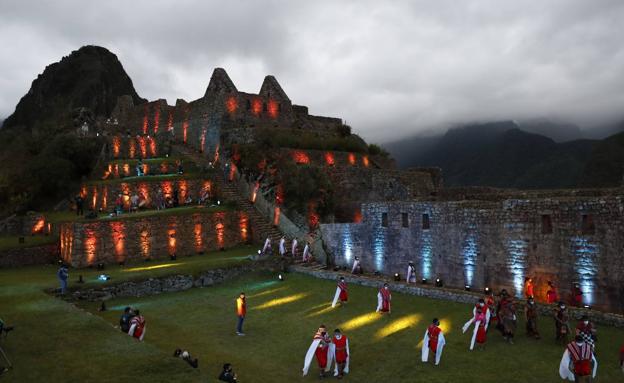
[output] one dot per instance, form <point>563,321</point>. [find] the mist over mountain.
<point>511,154</point>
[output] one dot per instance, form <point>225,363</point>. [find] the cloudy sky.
<point>387,68</point>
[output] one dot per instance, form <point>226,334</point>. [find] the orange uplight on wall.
<point>183,189</point>
<point>276,215</point>
<point>329,159</point>
<point>116,146</point>
<point>357,216</point>
<point>256,106</point>
<point>118,235</point>
<point>167,188</point>
<point>143,147</point>
<point>171,233</point>
<point>152,146</point>
<point>231,104</point>
<point>273,109</point>
<point>207,187</point>
<point>198,237</point>
<point>145,243</point>
<point>144,191</point>
<point>105,197</point>
<point>365,161</point>
<point>232,171</point>
<point>94,198</point>
<point>83,191</point>
<point>38,226</point>
<point>279,194</point>
<point>254,193</point>
<point>351,159</point>
<point>145,168</point>
<point>156,118</point>
<point>145,122</point>
<point>132,149</point>
<point>126,169</point>
<point>220,230</point>
<point>202,140</point>
<point>243,224</point>
<point>300,157</point>
<point>164,168</point>
<point>313,217</point>
<point>66,239</point>
<point>216,155</point>
<point>185,125</point>
<point>90,245</point>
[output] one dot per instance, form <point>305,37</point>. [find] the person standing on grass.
<point>241,311</point>
<point>319,348</point>
<point>227,375</point>
<point>384,297</point>
<point>577,295</point>
<point>531,314</point>
<point>340,349</point>
<point>63,274</point>
<point>126,318</point>
<point>578,363</point>
<point>562,327</point>
<point>551,294</point>
<point>433,342</point>
<point>479,319</point>
<point>587,330</point>
<point>341,293</point>
<point>529,289</point>
<point>282,246</point>
<point>411,273</point>
<point>137,326</point>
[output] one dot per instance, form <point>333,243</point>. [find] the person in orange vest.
<point>241,311</point>
<point>528,288</point>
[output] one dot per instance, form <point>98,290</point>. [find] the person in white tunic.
<point>293,248</point>
<point>411,273</point>
<point>267,246</point>
<point>578,363</point>
<point>282,246</point>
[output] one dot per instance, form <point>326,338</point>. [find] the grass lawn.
<point>54,341</point>
<point>12,242</point>
<point>282,318</point>
<point>151,178</point>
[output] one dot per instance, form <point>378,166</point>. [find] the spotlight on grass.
<point>423,281</point>
<point>467,288</point>
<point>588,307</point>
<point>439,282</point>
<point>280,277</point>
<point>486,290</point>
<point>397,277</point>
<point>104,277</point>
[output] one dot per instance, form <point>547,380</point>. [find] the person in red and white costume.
<point>480,320</point>
<point>433,342</point>
<point>384,298</point>
<point>578,363</point>
<point>340,350</point>
<point>137,326</point>
<point>410,277</point>
<point>342,295</point>
<point>319,348</point>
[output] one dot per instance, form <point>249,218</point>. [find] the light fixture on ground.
<point>486,290</point>
<point>173,257</point>
<point>587,307</point>
<point>104,277</point>
<point>423,281</point>
<point>438,282</point>
<point>280,277</point>
<point>397,277</point>
<point>467,288</point>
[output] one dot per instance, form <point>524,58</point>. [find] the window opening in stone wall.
<point>404,219</point>
<point>248,105</point>
<point>587,224</point>
<point>264,107</point>
<point>546,224</point>
<point>425,222</point>
<point>384,219</point>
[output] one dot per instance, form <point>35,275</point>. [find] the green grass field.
<point>12,242</point>
<point>56,342</point>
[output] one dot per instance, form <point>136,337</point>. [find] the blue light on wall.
<point>426,253</point>
<point>379,245</point>
<point>347,243</point>
<point>469,255</point>
<point>517,250</point>
<point>585,255</point>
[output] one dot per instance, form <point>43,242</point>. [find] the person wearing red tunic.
<point>341,294</point>
<point>577,295</point>
<point>340,347</point>
<point>137,326</point>
<point>384,297</point>
<point>578,362</point>
<point>433,342</point>
<point>528,288</point>
<point>551,294</point>
<point>490,302</point>
<point>319,349</point>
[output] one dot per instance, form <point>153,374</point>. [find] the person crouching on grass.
<point>241,311</point>
<point>137,326</point>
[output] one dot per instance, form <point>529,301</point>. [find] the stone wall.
<point>26,256</point>
<point>107,241</point>
<point>103,195</point>
<point>495,244</point>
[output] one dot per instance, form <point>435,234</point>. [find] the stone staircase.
<point>262,227</point>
